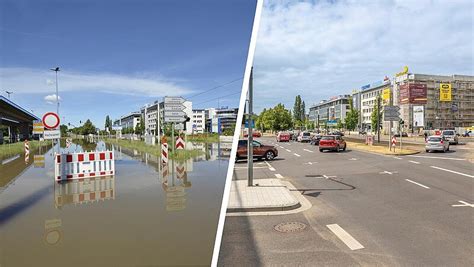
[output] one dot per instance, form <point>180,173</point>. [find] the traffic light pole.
<point>378,119</point>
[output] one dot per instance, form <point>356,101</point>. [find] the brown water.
<point>136,218</point>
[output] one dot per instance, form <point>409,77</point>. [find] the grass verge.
<point>381,149</point>
<point>154,150</point>
<point>9,150</point>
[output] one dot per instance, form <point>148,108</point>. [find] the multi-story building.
<point>329,112</point>
<point>150,113</point>
<point>223,119</point>
<point>198,121</point>
<point>423,104</point>
<point>368,100</point>
<point>129,121</point>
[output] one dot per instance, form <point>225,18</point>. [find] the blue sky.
<point>323,48</point>
<point>116,56</point>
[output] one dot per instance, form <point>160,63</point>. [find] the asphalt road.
<point>367,209</point>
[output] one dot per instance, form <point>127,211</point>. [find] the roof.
<point>10,103</point>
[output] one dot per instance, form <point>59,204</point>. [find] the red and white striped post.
<point>164,151</point>
<point>27,151</point>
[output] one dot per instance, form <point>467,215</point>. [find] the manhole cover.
<point>313,175</point>
<point>290,227</point>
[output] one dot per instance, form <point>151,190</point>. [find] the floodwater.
<point>144,215</point>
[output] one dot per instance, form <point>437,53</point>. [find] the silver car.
<point>450,136</point>
<point>304,137</point>
<point>436,143</point>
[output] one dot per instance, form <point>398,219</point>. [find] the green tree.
<point>339,125</point>
<point>297,109</point>
<point>352,117</point>
<point>374,114</point>
<point>63,129</point>
<point>88,128</point>
<point>303,112</point>
<point>108,123</point>
<point>259,122</point>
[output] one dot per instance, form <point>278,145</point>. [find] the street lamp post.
<point>57,94</point>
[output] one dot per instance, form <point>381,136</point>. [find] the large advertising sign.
<point>418,116</point>
<point>445,93</point>
<point>386,95</point>
<point>414,93</point>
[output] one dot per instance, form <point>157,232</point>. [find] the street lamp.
<point>8,93</point>
<point>57,95</point>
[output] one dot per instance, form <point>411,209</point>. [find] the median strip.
<point>451,171</point>
<point>413,182</point>
<point>345,237</point>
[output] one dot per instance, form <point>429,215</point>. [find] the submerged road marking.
<point>431,157</point>
<point>345,237</point>
<point>413,182</point>
<point>451,171</point>
<point>279,176</point>
<point>415,162</point>
<point>464,204</point>
<point>308,150</point>
<point>296,155</point>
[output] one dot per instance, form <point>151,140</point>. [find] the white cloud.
<point>51,99</point>
<point>324,48</point>
<point>28,80</point>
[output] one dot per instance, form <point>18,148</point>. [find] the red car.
<point>254,134</point>
<point>260,151</point>
<point>283,137</point>
<point>332,142</point>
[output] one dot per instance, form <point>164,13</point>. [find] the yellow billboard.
<point>445,92</point>
<point>386,94</point>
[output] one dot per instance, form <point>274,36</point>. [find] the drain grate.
<point>289,227</point>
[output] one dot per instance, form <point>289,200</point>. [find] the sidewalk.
<point>265,195</point>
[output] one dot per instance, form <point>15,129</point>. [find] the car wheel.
<point>427,151</point>
<point>447,149</point>
<point>337,148</point>
<point>321,150</point>
<point>270,155</point>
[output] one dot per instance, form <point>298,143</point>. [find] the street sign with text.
<point>174,114</point>
<point>174,107</point>
<point>174,100</point>
<point>51,134</point>
<point>174,119</point>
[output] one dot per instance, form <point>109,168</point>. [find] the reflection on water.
<point>84,191</point>
<point>144,215</point>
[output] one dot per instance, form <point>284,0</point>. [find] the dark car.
<point>315,140</point>
<point>260,151</point>
<point>332,142</point>
<point>403,134</point>
<point>337,133</point>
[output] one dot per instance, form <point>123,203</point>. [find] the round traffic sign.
<point>51,120</point>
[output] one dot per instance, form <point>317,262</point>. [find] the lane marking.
<point>397,158</point>
<point>310,163</point>
<point>464,204</point>
<point>288,150</point>
<point>270,167</point>
<point>387,172</point>
<point>451,171</point>
<point>430,157</point>
<point>327,176</point>
<point>415,162</point>
<point>279,176</point>
<point>345,237</point>
<point>296,155</point>
<point>308,150</point>
<point>424,186</point>
<point>352,159</point>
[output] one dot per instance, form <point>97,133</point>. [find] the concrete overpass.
<point>15,121</point>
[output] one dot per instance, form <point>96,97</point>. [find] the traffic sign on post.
<point>391,113</point>
<point>51,120</point>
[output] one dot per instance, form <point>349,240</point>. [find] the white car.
<point>436,143</point>
<point>450,136</point>
<point>304,137</point>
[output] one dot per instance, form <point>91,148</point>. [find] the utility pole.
<point>250,133</point>
<point>57,94</point>
<point>327,119</point>
<point>391,122</point>
<point>378,119</point>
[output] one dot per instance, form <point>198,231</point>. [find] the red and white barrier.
<point>27,151</point>
<point>179,143</point>
<point>164,153</point>
<point>83,165</point>
<point>84,191</point>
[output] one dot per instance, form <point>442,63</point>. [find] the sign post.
<point>51,122</point>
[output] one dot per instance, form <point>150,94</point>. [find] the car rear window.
<point>327,138</point>
<point>448,132</point>
<point>434,139</point>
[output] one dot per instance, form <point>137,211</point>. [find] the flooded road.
<point>145,215</point>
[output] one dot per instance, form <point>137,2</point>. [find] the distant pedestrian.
<point>426,135</point>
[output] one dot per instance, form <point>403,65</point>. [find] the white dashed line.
<point>270,167</point>
<point>288,150</point>
<point>296,155</point>
<point>415,162</point>
<point>397,158</point>
<point>310,163</point>
<point>413,182</point>
<point>446,170</point>
<point>345,237</point>
<point>308,150</point>
<point>279,176</point>
<point>429,157</point>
